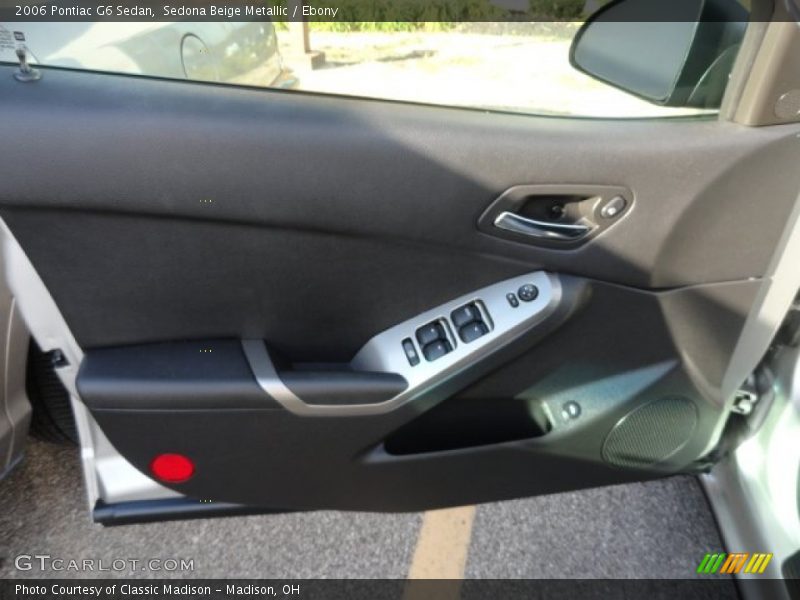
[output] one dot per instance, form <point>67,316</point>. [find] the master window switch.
<point>429,333</point>
<point>472,331</point>
<point>436,350</point>
<point>465,314</point>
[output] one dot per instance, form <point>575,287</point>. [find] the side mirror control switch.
<point>528,292</point>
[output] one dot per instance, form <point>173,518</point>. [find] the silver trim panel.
<point>384,352</point>
<point>779,288</point>
<point>267,376</point>
<point>15,410</point>
<point>108,476</point>
<point>753,491</point>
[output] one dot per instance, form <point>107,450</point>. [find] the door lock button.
<point>613,207</point>
<point>528,292</point>
<point>465,314</point>
<point>512,299</point>
<point>472,331</point>
<point>427,334</point>
<point>411,352</point>
<point>436,350</point>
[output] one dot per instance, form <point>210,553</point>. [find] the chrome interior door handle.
<point>540,229</point>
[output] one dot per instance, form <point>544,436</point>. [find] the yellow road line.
<point>443,542</point>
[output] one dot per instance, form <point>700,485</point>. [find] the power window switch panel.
<point>411,352</point>
<point>429,333</point>
<point>465,314</point>
<point>472,331</point>
<point>436,350</point>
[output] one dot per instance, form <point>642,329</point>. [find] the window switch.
<point>430,333</point>
<point>411,352</point>
<point>436,350</point>
<point>472,331</point>
<point>465,314</point>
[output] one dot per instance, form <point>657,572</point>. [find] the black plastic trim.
<point>176,375</point>
<point>168,509</point>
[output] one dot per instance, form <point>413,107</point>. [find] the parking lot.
<point>653,530</point>
<point>468,66</point>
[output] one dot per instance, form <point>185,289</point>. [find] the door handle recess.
<point>556,216</point>
<point>545,230</point>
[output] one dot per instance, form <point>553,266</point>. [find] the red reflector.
<point>173,468</point>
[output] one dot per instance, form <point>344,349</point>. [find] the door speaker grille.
<point>651,433</point>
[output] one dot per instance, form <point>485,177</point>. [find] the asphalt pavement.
<point>650,530</point>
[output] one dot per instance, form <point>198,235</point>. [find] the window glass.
<point>508,66</point>
<point>503,66</point>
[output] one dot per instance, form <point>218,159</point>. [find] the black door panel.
<point>402,461</point>
<point>166,218</point>
<point>314,296</point>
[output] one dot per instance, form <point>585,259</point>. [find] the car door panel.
<point>170,221</point>
<point>370,462</point>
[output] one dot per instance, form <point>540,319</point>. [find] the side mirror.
<point>677,53</point>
